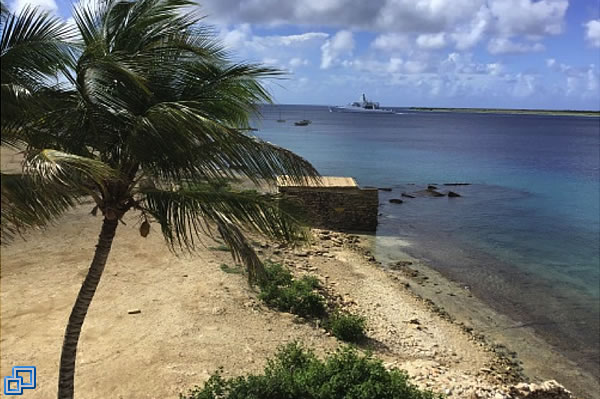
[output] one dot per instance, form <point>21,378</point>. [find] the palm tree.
<point>157,102</point>
<point>34,47</point>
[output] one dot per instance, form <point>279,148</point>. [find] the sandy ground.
<point>195,317</point>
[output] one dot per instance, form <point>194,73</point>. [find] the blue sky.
<point>457,53</point>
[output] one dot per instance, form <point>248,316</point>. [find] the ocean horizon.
<point>524,236</point>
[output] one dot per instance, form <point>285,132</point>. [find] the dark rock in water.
<point>452,194</point>
<point>457,184</point>
<point>429,193</point>
<point>396,201</point>
<point>384,189</point>
<point>431,187</point>
<point>408,195</point>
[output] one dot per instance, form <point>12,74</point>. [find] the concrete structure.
<point>334,203</point>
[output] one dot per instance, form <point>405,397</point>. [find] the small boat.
<point>303,122</point>
<point>363,106</point>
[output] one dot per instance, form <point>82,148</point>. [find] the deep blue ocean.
<point>525,236</point>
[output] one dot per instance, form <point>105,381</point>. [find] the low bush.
<point>347,327</point>
<point>296,373</point>
<point>278,289</point>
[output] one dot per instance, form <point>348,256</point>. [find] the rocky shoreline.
<point>501,375</point>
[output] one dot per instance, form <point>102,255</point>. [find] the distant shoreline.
<point>508,111</point>
<point>511,111</point>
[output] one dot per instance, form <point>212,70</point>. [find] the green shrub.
<point>347,327</point>
<point>296,373</point>
<point>275,274</point>
<point>279,290</point>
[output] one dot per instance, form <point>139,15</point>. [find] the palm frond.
<point>3,9</point>
<point>196,146</point>
<point>25,205</point>
<point>154,94</point>
<point>73,171</point>
<point>240,248</point>
<point>33,46</point>
<point>52,183</point>
<point>187,213</point>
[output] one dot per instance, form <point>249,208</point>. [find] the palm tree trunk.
<point>66,377</point>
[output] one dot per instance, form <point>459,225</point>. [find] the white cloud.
<point>292,40</point>
<point>593,79</point>
<point>542,17</point>
<point>465,22</point>
<point>405,51</point>
<point>414,66</point>
<point>392,68</point>
<point>592,32</point>
<point>424,16</point>
<point>241,37</point>
<point>495,69</point>
<point>271,62</point>
<point>398,69</point>
<point>283,51</point>
<point>391,42</point>
<point>580,81</point>
<point>341,43</point>
<point>395,65</point>
<point>524,85</point>
<point>455,76</point>
<point>237,37</point>
<point>298,62</point>
<point>431,40</point>
<point>48,5</point>
<point>469,35</point>
<point>463,63</point>
<point>502,45</point>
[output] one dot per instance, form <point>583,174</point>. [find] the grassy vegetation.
<point>347,327</point>
<point>281,291</point>
<point>296,373</point>
<point>512,111</point>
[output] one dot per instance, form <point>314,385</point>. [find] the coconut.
<point>145,229</point>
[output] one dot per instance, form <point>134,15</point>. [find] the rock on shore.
<point>546,390</point>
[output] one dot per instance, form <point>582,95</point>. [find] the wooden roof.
<point>323,181</point>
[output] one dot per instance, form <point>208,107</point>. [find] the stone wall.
<point>333,208</point>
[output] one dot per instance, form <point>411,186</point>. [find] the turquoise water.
<point>525,235</point>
